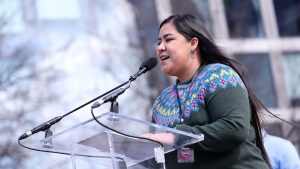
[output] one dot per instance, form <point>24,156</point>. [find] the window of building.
<point>199,8</point>
<point>291,64</point>
<point>244,18</point>
<point>288,17</point>
<point>259,77</point>
<point>58,10</point>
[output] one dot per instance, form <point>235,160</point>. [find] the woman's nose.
<point>161,47</point>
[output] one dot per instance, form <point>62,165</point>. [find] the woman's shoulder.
<point>217,67</point>
<point>217,75</point>
<point>217,71</point>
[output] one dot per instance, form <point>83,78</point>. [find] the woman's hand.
<point>164,138</point>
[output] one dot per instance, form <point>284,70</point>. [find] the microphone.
<point>42,127</point>
<point>149,64</point>
<point>113,95</point>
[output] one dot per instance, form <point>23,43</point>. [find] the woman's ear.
<point>194,43</point>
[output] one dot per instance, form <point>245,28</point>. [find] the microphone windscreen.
<point>149,64</point>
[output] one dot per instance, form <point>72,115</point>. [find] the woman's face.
<point>174,52</point>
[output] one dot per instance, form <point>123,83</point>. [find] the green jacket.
<point>214,103</point>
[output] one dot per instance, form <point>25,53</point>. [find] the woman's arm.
<point>229,111</point>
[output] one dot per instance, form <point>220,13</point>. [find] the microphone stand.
<point>46,126</point>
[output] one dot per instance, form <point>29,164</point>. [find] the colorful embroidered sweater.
<point>214,103</point>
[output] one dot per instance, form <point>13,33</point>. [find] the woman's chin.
<point>167,71</point>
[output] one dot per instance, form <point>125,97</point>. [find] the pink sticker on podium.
<point>185,155</point>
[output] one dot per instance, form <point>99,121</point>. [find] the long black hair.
<point>189,26</point>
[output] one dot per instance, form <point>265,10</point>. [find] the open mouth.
<point>163,58</point>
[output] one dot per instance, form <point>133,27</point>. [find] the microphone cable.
<point>121,133</point>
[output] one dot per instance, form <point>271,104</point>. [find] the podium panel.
<point>117,143</point>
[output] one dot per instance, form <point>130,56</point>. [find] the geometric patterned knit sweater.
<point>193,93</point>
<point>214,103</point>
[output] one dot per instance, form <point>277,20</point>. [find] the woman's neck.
<point>188,75</point>
<point>191,71</point>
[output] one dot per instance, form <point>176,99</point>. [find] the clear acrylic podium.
<point>92,145</point>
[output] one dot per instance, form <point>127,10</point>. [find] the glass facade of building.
<point>244,18</point>
<point>288,17</point>
<point>259,76</point>
<point>291,64</point>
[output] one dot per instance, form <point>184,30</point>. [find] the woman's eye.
<point>158,43</point>
<point>169,39</point>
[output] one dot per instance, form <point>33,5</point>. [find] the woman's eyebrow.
<point>168,34</point>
